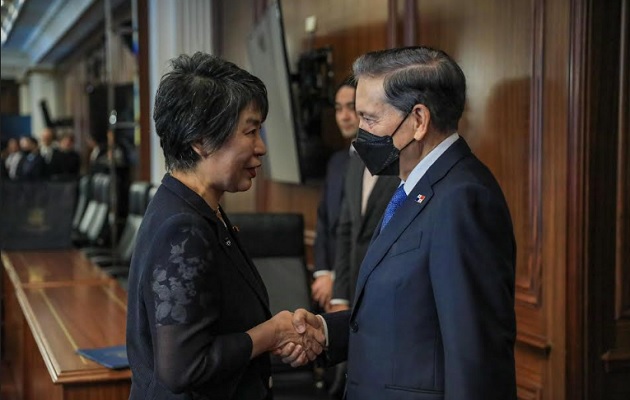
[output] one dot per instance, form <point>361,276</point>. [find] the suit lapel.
<point>413,205</point>
<point>355,187</point>
<point>381,242</point>
<point>234,248</point>
<point>377,201</point>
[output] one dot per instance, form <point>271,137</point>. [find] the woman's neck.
<point>195,183</point>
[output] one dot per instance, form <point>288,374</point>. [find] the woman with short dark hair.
<point>199,324</point>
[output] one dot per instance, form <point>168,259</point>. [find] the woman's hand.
<point>307,337</point>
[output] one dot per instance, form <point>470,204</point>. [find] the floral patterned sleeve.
<point>184,287</point>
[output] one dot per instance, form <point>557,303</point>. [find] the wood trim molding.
<point>528,391</point>
<point>392,23</point>
<point>577,206</point>
<point>411,11</point>
<point>529,289</point>
<point>622,267</point>
<point>538,343</point>
<point>616,360</point>
<point>144,88</point>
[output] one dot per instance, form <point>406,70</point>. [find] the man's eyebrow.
<point>365,114</point>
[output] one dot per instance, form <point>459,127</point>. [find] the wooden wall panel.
<point>500,46</point>
<point>9,98</point>
<point>616,357</point>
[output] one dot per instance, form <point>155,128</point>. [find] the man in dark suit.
<point>65,162</point>
<point>433,314</point>
<point>329,208</point>
<point>364,201</point>
<point>31,166</point>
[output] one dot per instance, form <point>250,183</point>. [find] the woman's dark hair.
<point>418,75</point>
<point>199,102</point>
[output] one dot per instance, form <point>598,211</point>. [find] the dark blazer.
<point>354,230</point>
<point>64,164</point>
<point>328,211</point>
<point>193,293</point>
<point>31,167</point>
<point>433,317</point>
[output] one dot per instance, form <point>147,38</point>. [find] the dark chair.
<point>116,261</point>
<point>83,198</point>
<point>275,242</point>
<point>93,228</point>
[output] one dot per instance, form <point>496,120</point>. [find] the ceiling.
<point>44,33</point>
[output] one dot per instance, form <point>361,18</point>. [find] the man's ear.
<point>421,117</point>
<point>199,150</point>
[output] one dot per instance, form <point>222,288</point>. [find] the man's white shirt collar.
<point>423,166</point>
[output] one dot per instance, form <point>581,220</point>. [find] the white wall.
<point>42,85</point>
<point>174,28</point>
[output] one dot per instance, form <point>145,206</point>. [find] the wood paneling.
<point>616,357</point>
<point>500,46</point>
<point>9,97</point>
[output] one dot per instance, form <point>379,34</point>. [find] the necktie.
<point>397,199</point>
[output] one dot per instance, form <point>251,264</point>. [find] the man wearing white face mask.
<point>433,313</point>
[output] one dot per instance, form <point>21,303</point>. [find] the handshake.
<point>297,338</point>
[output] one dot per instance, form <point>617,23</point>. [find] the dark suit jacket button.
<point>354,326</point>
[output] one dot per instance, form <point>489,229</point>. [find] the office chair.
<point>116,261</point>
<point>93,228</point>
<point>83,198</point>
<point>275,242</point>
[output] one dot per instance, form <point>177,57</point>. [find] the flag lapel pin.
<point>420,198</point>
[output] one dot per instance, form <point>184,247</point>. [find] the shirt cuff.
<point>335,302</point>
<point>325,326</point>
<point>323,272</point>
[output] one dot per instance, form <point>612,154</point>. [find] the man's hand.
<point>322,288</point>
<point>310,327</point>
<point>280,331</point>
<point>336,307</point>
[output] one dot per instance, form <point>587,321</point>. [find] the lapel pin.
<point>236,228</point>
<point>420,198</point>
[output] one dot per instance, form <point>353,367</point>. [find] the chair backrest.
<point>138,200</point>
<point>83,198</point>
<point>275,241</point>
<point>139,197</point>
<point>90,210</point>
<point>99,225</point>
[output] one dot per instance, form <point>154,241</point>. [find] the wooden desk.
<point>54,303</point>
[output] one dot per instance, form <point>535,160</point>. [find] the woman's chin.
<point>244,185</point>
